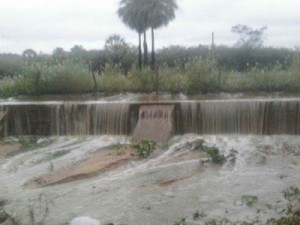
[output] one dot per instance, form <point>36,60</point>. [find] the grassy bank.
<point>197,76</point>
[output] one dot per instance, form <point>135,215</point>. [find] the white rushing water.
<point>131,194</point>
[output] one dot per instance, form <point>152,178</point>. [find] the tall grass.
<point>65,78</point>
<point>198,76</point>
<point>258,79</point>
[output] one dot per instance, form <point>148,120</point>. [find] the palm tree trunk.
<point>140,51</point>
<point>95,83</point>
<point>153,49</point>
<point>145,50</point>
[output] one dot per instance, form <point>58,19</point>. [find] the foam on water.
<point>84,220</point>
<point>265,166</point>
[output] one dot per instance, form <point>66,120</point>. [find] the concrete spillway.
<point>263,116</point>
<point>155,123</point>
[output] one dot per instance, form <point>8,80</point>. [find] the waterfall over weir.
<point>66,119</point>
<point>241,117</point>
<point>155,123</point>
<point>263,116</point>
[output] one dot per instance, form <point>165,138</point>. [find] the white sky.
<point>46,24</point>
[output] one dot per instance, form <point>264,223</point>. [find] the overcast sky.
<point>46,24</point>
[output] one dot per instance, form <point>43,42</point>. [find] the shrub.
<point>214,155</point>
<point>28,142</point>
<point>249,200</point>
<point>143,148</point>
<point>198,75</point>
<point>201,77</point>
<point>44,79</point>
<point>142,81</point>
<point>112,81</point>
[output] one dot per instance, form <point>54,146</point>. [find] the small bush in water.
<point>198,215</point>
<point>212,152</point>
<point>143,148</point>
<point>291,193</point>
<point>60,153</point>
<point>214,155</point>
<point>28,142</point>
<point>249,200</point>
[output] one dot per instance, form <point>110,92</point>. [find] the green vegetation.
<point>213,152</point>
<point>198,215</point>
<point>292,193</point>
<point>247,67</point>
<point>38,211</point>
<point>198,76</point>
<point>60,153</point>
<point>214,155</point>
<point>282,209</point>
<point>249,200</point>
<point>28,142</point>
<point>141,15</point>
<point>143,148</point>
<point>285,220</point>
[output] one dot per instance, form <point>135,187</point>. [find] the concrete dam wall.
<point>263,117</point>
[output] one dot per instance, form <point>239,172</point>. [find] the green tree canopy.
<point>160,13</point>
<point>116,48</point>
<point>131,13</point>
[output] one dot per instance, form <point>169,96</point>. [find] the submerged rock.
<point>84,220</point>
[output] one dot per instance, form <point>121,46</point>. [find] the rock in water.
<point>84,220</point>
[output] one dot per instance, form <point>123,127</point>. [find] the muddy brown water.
<point>171,184</point>
<point>160,190</point>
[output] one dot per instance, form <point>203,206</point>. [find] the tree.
<point>116,48</point>
<point>131,14</point>
<point>249,38</point>
<point>29,54</point>
<point>59,55</point>
<point>143,14</point>
<point>78,53</point>
<point>160,13</point>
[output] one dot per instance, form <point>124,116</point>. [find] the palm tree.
<point>132,15</point>
<point>143,14</point>
<point>160,13</point>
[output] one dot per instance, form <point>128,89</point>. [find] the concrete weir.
<point>2,116</point>
<point>155,123</point>
<point>242,116</point>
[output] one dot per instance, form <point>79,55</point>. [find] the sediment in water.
<point>268,116</point>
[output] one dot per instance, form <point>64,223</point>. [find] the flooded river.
<point>170,185</point>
